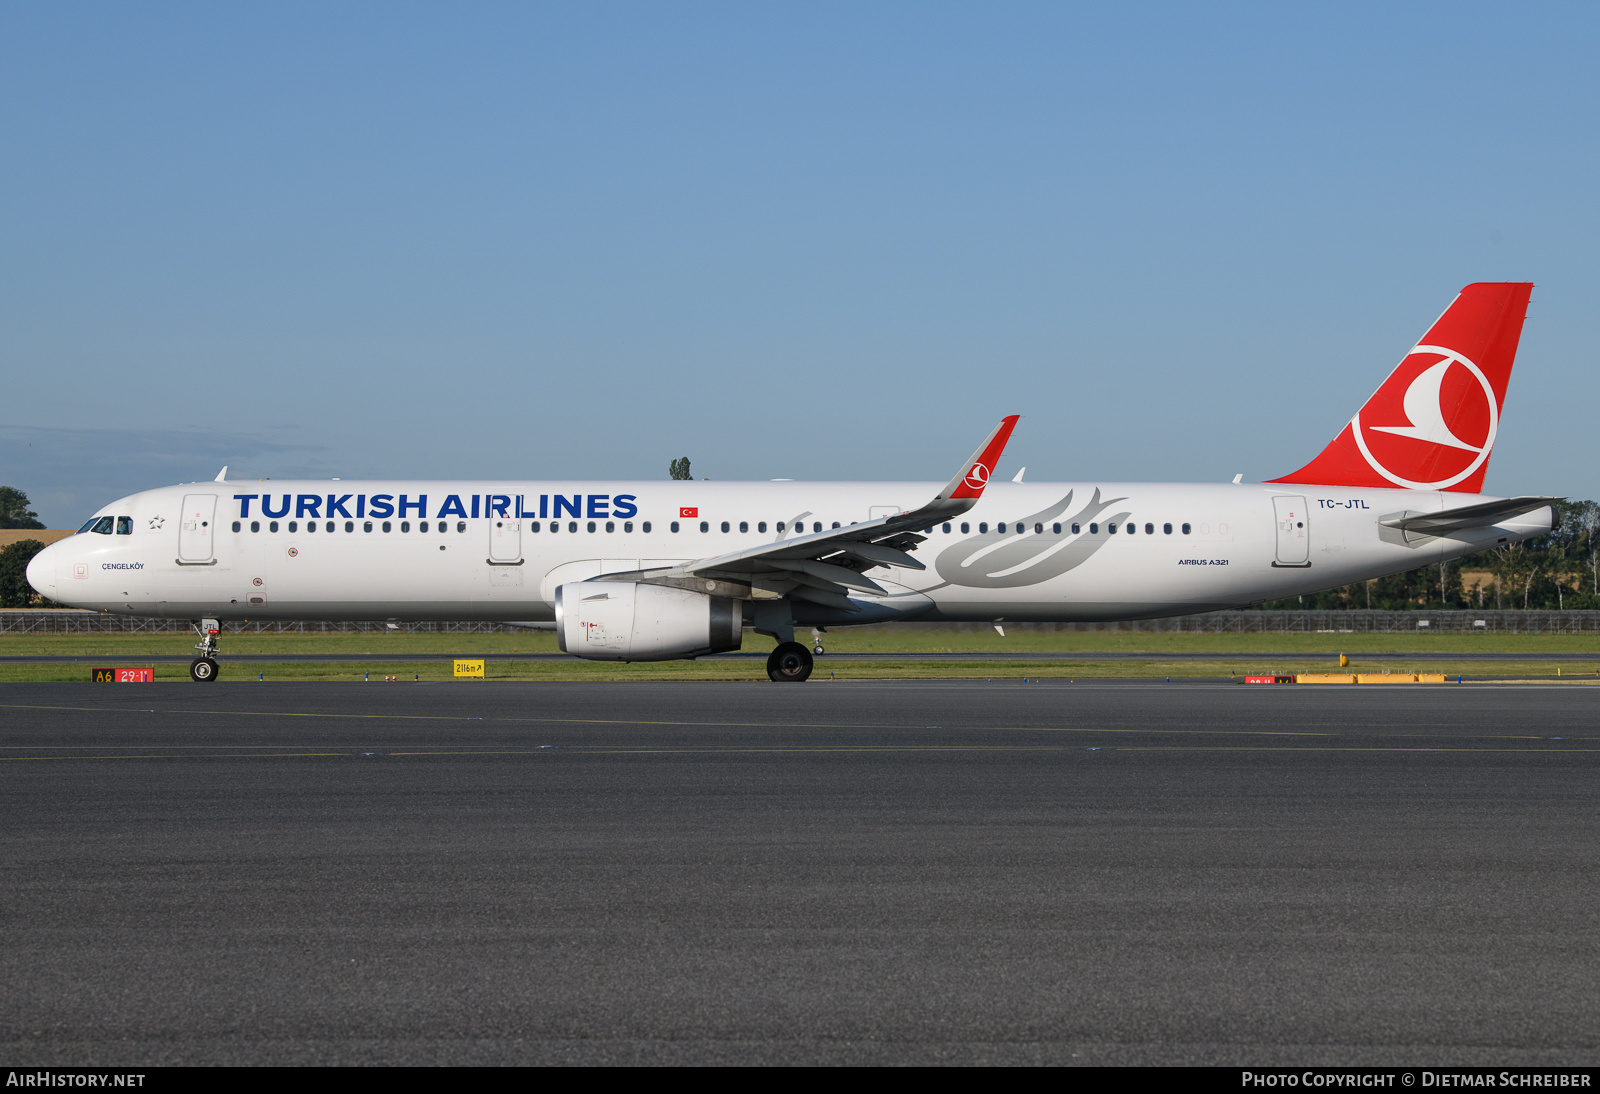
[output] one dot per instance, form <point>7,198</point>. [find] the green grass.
<point>1281,652</point>
<point>847,640</point>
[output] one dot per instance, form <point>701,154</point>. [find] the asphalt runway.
<point>877,872</point>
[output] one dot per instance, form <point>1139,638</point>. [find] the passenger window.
<point>422,526</point>
<point>1094,529</point>
<point>611,526</point>
<point>125,526</point>
<point>965,528</point>
<point>816,526</point>
<point>1077,529</point>
<point>273,527</point>
<point>1039,529</point>
<point>645,526</point>
<point>255,526</point>
<point>724,526</point>
<point>235,527</point>
<point>572,526</point>
<point>533,526</point>
<point>311,526</point>
<point>761,527</point>
<point>591,526</point>
<point>627,526</point>
<point>405,526</point>
<point>367,526</point>
<point>835,524</point>
<point>674,526</point>
<point>983,527</point>
<point>461,526</point>
<point>744,526</point>
<point>328,527</point>
<point>947,528</point>
<point>1001,528</point>
<point>705,526</point>
<point>1150,529</point>
<point>294,526</point>
<point>1185,529</point>
<point>102,526</point>
<point>1056,528</point>
<point>555,526</point>
<point>387,526</point>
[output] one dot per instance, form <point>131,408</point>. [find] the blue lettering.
<point>599,505</point>
<point>574,507</point>
<point>420,505</point>
<point>544,507</point>
<point>383,505</point>
<point>307,504</point>
<point>498,504</point>
<point>361,505</point>
<point>520,512</point>
<point>474,506</point>
<point>266,506</point>
<point>452,504</point>
<point>244,501</point>
<point>336,505</point>
<point>622,505</point>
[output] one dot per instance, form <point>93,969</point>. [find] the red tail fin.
<point>1432,423</point>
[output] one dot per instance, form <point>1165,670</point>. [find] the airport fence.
<point>71,621</point>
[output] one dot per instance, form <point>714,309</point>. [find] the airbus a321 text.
<point>646,571</point>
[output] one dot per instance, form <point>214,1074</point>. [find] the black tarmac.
<point>884,872</point>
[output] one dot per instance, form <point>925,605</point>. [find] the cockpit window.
<point>124,526</point>
<point>88,524</point>
<point>102,526</point>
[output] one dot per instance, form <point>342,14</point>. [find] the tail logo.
<point>978,477</point>
<point>1442,409</point>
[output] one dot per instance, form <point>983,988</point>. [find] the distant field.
<point>864,640</point>
<point>1288,653</point>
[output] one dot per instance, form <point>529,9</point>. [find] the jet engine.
<point>625,621</point>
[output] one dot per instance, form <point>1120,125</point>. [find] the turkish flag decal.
<point>689,511</point>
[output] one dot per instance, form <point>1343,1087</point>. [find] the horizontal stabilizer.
<point>1468,516</point>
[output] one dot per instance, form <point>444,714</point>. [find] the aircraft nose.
<point>41,572</point>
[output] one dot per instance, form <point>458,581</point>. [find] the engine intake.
<point>625,621</point>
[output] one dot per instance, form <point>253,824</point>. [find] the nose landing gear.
<point>203,669</point>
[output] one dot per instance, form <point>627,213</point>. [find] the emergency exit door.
<point>1294,532</point>
<point>505,540</point>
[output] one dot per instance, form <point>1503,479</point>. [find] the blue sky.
<point>809,241</point>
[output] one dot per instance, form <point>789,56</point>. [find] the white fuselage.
<point>498,550</point>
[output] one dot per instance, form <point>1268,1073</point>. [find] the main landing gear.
<point>790,663</point>
<point>203,669</point>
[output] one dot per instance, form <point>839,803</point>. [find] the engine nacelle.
<point>625,621</point>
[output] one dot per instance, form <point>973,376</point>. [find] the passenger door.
<point>196,528</point>
<point>505,540</point>
<point>1294,539</point>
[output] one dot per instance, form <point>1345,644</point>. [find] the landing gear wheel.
<point>818,650</point>
<point>790,663</point>
<point>203,669</point>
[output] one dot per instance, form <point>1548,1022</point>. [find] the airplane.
<point>648,571</point>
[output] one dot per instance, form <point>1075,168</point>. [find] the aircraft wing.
<point>1467,516</point>
<point>824,566</point>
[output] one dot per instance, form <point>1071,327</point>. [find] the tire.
<point>790,663</point>
<point>203,670</point>
<point>818,650</point>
